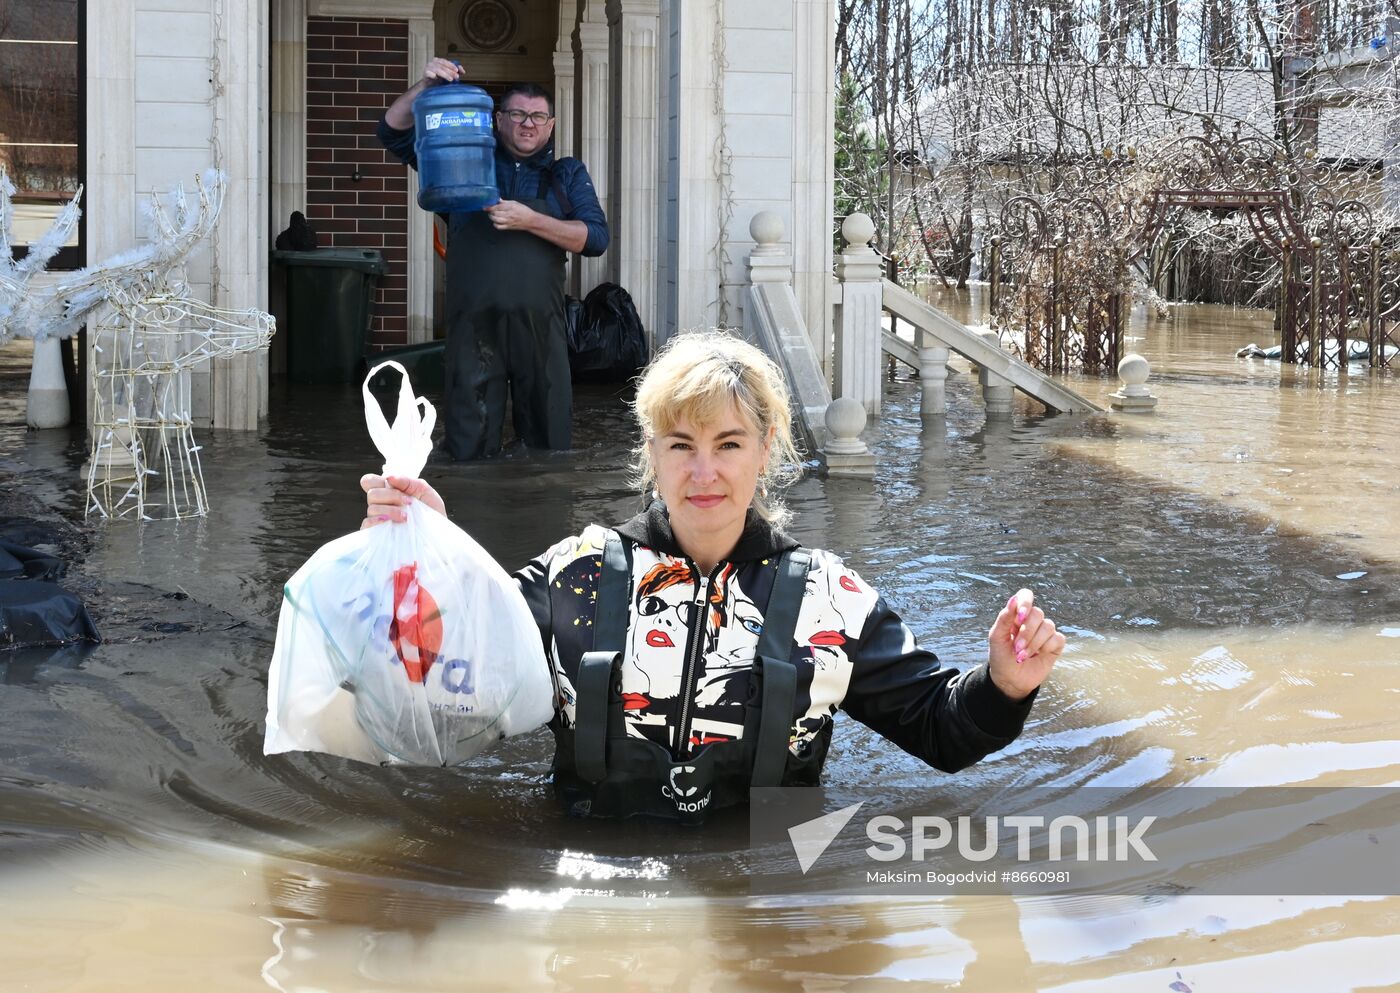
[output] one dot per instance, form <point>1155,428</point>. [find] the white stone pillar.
<point>933,376</point>
<point>996,390</point>
<point>996,394</point>
<point>767,263</point>
<point>813,154</point>
<point>856,372</point>
<point>564,134</point>
<point>109,197</point>
<point>288,111</point>
<point>287,133</point>
<point>47,405</point>
<point>592,141</point>
<point>694,203</point>
<point>633,28</point>
<point>238,383</point>
<point>564,113</point>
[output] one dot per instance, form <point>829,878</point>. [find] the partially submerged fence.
<point>1065,309</point>
<point>1062,264</point>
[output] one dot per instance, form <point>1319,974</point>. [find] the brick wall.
<point>354,69</point>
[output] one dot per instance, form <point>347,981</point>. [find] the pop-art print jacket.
<point>850,649</point>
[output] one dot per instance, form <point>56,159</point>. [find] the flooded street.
<point>1226,568</point>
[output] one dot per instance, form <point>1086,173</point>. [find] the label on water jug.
<point>456,119</point>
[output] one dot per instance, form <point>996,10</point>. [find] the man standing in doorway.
<point>505,274</point>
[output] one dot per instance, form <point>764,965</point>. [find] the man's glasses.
<point>539,118</point>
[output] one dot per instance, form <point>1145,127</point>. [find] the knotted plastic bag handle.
<point>407,445</point>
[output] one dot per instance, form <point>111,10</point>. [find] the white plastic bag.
<point>404,643</point>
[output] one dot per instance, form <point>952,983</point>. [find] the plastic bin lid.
<point>363,259</point>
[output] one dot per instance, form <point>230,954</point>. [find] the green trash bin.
<point>425,364</point>
<point>329,296</point>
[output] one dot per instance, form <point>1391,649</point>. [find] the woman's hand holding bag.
<point>404,644</point>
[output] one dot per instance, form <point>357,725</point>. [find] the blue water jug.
<point>456,148</point>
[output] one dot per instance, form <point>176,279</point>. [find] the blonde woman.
<point>697,650</point>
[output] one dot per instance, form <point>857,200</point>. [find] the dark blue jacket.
<point>519,180</point>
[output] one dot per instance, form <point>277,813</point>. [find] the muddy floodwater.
<point>1227,569</point>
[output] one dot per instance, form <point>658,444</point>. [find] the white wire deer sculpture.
<point>144,460</point>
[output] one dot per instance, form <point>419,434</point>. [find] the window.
<point>41,116</point>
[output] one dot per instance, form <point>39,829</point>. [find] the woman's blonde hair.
<point>696,377</point>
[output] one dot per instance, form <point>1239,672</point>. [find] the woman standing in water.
<point>697,650</point>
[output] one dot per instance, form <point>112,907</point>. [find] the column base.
<point>1132,404</point>
<point>849,466</point>
<point>47,405</point>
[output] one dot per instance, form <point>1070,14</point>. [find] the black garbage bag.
<point>39,613</point>
<point>299,236</point>
<point>611,343</point>
<point>573,324</point>
<point>17,561</point>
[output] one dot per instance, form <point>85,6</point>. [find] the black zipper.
<point>694,645</point>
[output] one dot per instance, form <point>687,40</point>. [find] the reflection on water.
<point>1225,566</point>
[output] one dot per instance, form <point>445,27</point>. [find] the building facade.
<point>692,117</point>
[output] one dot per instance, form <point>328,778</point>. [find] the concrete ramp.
<point>976,349</point>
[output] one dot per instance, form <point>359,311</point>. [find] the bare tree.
<point>973,102</point>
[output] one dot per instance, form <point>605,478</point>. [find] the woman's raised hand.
<point>1023,646</point>
<point>387,498</point>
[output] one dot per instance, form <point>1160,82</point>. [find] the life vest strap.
<point>773,658</point>
<point>770,748</point>
<point>784,604</point>
<point>614,596</point>
<point>598,703</point>
<point>597,671</point>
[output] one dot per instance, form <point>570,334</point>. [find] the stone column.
<point>238,384</point>
<point>287,138</point>
<point>933,376</point>
<point>695,202</point>
<point>768,263</point>
<point>47,405</point>
<point>564,134</point>
<point>633,28</point>
<point>109,197</point>
<point>288,112</point>
<point>996,390</point>
<point>591,128</point>
<point>813,154</point>
<point>856,371</point>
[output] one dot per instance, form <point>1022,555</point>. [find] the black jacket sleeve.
<point>946,718</point>
<point>398,143</point>
<point>533,579</point>
<point>584,198</point>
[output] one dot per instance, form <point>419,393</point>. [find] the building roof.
<point>1068,110</point>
